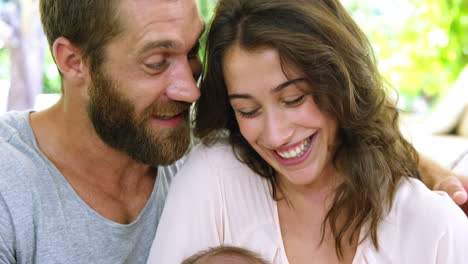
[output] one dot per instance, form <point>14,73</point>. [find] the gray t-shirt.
<point>43,220</point>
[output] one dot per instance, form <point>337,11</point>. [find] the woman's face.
<point>278,116</point>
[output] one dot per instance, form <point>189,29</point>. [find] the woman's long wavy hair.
<point>319,38</point>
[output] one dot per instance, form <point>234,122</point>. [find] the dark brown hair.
<point>320,39</point>
<point>88,24</point>
<point>227,251</point>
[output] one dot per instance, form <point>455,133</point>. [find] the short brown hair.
<point>227,251</point>
<point>88,24</point>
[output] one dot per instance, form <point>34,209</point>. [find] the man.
<point>84,181</point>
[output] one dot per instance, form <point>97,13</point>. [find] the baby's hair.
<point>225,251</point>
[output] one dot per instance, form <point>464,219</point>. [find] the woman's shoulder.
<point>220,150</point>
<point>420,210</point>
<point>216,165</point>
<point>422,227</point>
<point>414,198</point>
<point>218,158</point>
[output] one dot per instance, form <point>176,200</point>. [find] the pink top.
<point>216,200</point>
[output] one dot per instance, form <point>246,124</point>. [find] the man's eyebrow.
<point>286,84</point>
<point>158,44</point>
<point>168,44</point>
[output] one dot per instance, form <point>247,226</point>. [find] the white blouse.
<point>217,200</point>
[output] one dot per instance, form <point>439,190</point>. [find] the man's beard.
<point>117,124</point>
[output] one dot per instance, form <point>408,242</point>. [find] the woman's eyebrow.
<point>286,84</point>
<point>274,90</point>
<point>239,96</point>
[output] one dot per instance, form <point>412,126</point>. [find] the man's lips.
<point>166,117</point>
<point>168,121</point>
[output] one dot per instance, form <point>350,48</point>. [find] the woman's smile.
<point>296,154</point>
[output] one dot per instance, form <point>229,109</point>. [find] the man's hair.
<point>226,251</point>
<point>320,39</point>
<point>88,24</point>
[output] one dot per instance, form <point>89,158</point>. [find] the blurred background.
<point>421,45</point>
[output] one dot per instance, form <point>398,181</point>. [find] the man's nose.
<point>183,85</point>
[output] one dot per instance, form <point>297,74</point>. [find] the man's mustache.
<point>167,109</point>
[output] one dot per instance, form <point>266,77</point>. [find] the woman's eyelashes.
<point>254,111</point>
<point>248,114</point>
<point>294,102</point>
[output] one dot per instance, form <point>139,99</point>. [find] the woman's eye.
<point>247,114</point>
<point>295,101</point>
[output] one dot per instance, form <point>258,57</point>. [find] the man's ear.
<point>70,60</point>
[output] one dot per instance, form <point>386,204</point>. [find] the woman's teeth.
<point>296,152</point>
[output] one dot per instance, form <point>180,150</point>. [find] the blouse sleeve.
<point>192,218</point>
<point>453,244</point>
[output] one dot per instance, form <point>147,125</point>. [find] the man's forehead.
<point>173,23</point>
<point>169,43</point>
<point>167,8</point>
<point>140,12</point>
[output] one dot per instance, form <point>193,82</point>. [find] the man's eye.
<point>295,101</point>
<point>193,56</point>
<point>157,66</point>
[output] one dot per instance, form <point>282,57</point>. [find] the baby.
<point>225,255</point>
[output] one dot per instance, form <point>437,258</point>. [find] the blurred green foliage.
<point>206,8</point>
<point>51,81</point>
<point>4,64</point>
<point>422,45</point>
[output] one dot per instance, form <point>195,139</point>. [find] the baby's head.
<point>225,255</point>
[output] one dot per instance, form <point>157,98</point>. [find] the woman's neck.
<point>301,212</point>
<point>318,194</point>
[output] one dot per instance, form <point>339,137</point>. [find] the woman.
<point>314,168</point>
